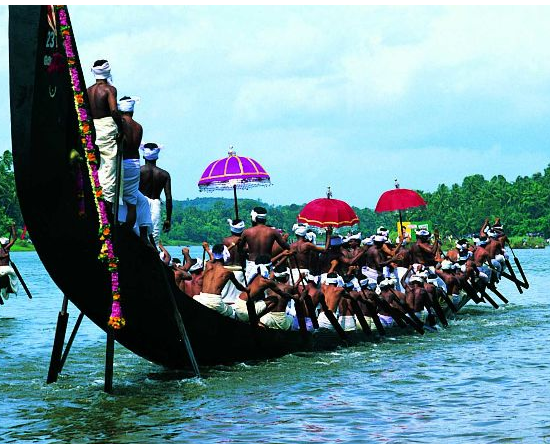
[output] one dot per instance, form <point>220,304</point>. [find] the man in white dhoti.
<point>103,107</point>
<point>230,293</point>
<point>8,279</point>
<point>153,181</point>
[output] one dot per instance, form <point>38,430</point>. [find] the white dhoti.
<point>214,302</point>
<point>143,218</point>
<point>277,319</point>
<point>296,324</point>
<point>295,275</point>
<point>230,293</point>
<point>6,270</point>
<point>371,273</point>
<point>241,310</point>
<point>387,321</point>
<point>105,138</point>
<point>323,321</point>
<point>251,270</point>
<point>155,208</point>
<point>347,323</point>
<point>130,181</point>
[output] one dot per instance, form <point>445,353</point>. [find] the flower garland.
<point>106,254</point>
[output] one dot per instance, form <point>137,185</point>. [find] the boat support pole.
<point>59,339</point>
<point>70,341</point>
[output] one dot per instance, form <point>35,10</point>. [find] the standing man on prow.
<point>107,121</point>
<point>153,181</point>
<point>259,239</point>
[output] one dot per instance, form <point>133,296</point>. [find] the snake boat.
<point>59,201</point>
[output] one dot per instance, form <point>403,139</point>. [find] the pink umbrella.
<point>233,172</point>
<point>399,199</point>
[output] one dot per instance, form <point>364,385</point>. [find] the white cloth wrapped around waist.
<point>155,209</point>
<point>296,324</point>
<point>6,270</point>
<point>324,322</point>
<point>387,321</point>
<point>143,213</point>
<point>106,132</point>
<point>370,272</point>
<point>230,293</point>
<point>277,319</point>
<point>347,323</point>
<point>214,302</point>
<point>241,310</point>
<point>130,181</point>
<point>340,282</point>
<point>295,275</point>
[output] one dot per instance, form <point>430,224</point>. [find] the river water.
<point>486,379</point>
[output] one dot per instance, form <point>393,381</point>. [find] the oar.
<point>446,298</point>
<point>520,268</point>
<point>250,306</point>
<point>301,316</point>
<point>489,299</point>
<point>332,319</point>
<point>438,310</point>
<point>493,288</point>
<point>470,291</point>
<point>306,297</point>
<point>20,279</point>
<point>512,277</point>
<point>372,313</point>
<point>360,317</point>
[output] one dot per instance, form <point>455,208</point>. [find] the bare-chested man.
<point>103,106</point>
<point>132,133</point>
<point>259,240</point>
<point>417,297</point>
<point>332,294</point>
<point>8,279</point>
<point>481,260</point>
<point>215,276</point>
<point>277,316</point>
<point>303,251</point>
<point>153,181</point>
<point>376,259</point>
<point>422,252</point>
<point>193,286</point>
<point>258,285</point>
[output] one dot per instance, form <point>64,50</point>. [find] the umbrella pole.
<point>400,234</point>
<point>235,199</point>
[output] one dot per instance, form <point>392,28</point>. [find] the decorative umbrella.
<point>328,212</point>
<point>233,172</point>
<point>399,199</point>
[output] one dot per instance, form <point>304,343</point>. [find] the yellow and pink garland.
<point>106,254</point>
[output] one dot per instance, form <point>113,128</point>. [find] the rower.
<point>422,252</point>
<point>332,293</point>
<point>277,317</point>
<point>258,283</point>
<point>8,279</point>
<point>230,292</point>
<point>259,240</point>
<point>417,298</point>
<point>303,250</point>
<point>214,278</point>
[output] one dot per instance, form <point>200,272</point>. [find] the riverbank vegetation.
<point>457,210</point>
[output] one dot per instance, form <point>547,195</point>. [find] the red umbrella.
<point>328,212</point>
<point>399,199</point>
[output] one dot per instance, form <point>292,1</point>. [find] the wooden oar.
<point>518,264</point>
<point>372,313</point>
<point>306,297</point>
<point>438,310</point>
<point>20,279</point>
<point>301,316</point>
<point>471,292</point>
<point>497,293</point>
<point>447,299</point>
<point>512,276</point>
<point>332,319</point>
<point>360,316</point>
<point>489,299</point>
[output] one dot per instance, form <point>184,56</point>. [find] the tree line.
<point>458,209</point>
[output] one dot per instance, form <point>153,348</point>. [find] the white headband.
<point>236,228</point>
<point>311,237</point>
<point>127,105</point>
<point>225,255</point>
<point>379,238</point>
<point>256,216</point>
<point>103,72</point>
<point>283,273</point>
<point>197,265</point>
<point>300,231</point>
<point>422,233</point>
<point>329,281</point>
<point>312,278</point>
<point>150,153</point>
<point>4,241</point>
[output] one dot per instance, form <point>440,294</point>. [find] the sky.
<point>349,97</point>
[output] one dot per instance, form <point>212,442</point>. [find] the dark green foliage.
<point>9,206</point>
